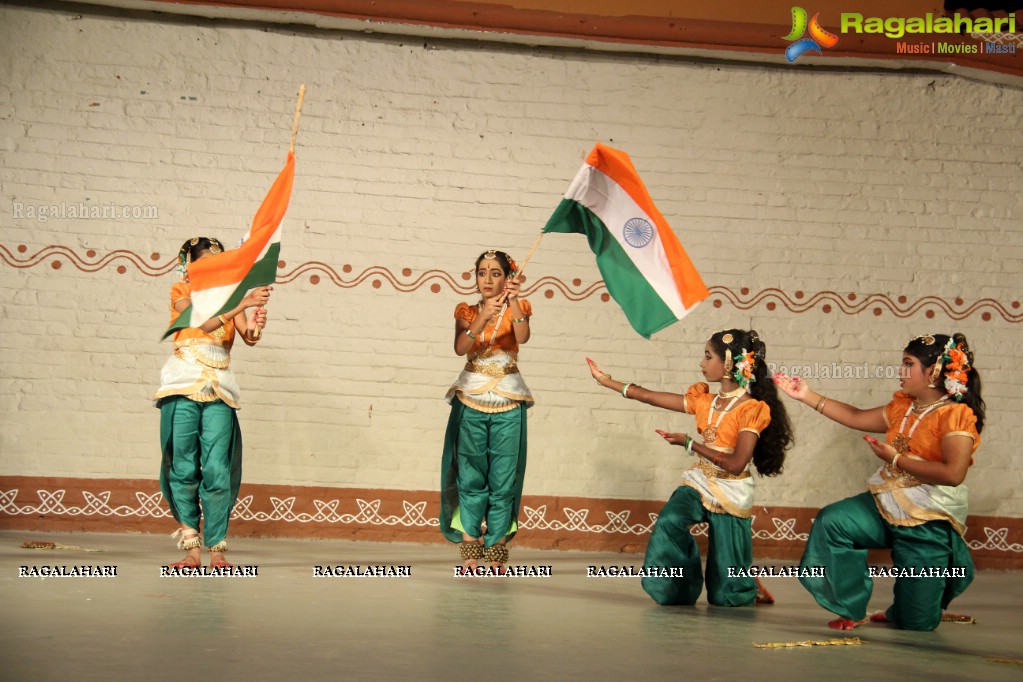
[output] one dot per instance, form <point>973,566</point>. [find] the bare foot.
<point>763,596</point>
<point>217,560</point>
<point>845,623</point>
<point>879,617</point>
<point>192,560</point>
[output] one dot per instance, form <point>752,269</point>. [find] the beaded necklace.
<point>710,434</point>
<point>901,441</point>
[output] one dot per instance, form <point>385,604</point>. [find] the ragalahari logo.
<point>818,36</point>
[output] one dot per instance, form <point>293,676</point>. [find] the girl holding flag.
<point>484,460</point>
<point>743,422</point>
<point>198,397</point>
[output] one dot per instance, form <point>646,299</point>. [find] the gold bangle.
<point>521,319</point>
<point>894,463</point>
<point>223,321</point>
<point>819,407</point>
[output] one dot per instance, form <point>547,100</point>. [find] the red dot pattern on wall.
<point>408,280</point>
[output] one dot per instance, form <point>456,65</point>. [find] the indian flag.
<point>644,266</point>
<point>219,282</point>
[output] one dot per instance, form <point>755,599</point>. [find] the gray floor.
<point>287,624</point>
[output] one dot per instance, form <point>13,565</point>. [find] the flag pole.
<point>257,333</point>
<point>522,265</point>
<point>298,114</point>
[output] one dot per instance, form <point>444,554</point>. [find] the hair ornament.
<point>727,339</point>
<point>743,374</point>
<point>956,362</point>
<point>759,349</point>
<point>493,254</point>
<point>182,267</point>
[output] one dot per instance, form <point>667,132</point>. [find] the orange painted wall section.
<point>748,26</point>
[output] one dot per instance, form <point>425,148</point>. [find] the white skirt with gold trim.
<point>721,492</point>
<point>200,372</point>
<point>491,384</point>
<point>904,500</point>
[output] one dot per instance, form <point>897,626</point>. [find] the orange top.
<point>948,420</point>
<point>505,334</point>
<point>751,415</point>
<point>222,336</point>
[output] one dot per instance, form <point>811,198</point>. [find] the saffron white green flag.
<point>644,266</point>
<point>219,282</point>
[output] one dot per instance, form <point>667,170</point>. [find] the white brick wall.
<point>419,156</point>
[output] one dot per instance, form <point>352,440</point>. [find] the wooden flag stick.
<point>298,115</point>
<point>257,332</point>
<point>522,265</point>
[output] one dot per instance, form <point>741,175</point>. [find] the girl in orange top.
<point>484,459</point>
<point>917,502</point>
<point>743,422</point>
<point>199,433</point>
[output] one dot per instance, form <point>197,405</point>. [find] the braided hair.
<point>776,438</point>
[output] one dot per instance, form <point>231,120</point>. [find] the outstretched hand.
<point>884,451</point>
<point>673,438</point>
<point>794,387</point>
<point>595,371</point>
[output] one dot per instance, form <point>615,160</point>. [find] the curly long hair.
<point>769,453</point>
<point>930,353</point>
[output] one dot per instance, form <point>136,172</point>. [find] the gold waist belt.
<point>492,370</point>
<point>713,472</point>
<point>193,355</point>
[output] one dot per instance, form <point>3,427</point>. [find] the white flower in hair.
<point>954,387</point>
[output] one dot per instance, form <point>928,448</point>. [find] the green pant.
<point>202,461</point>
<point>730,545</point>
<point>482,470</point>
<point>839,540</point>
